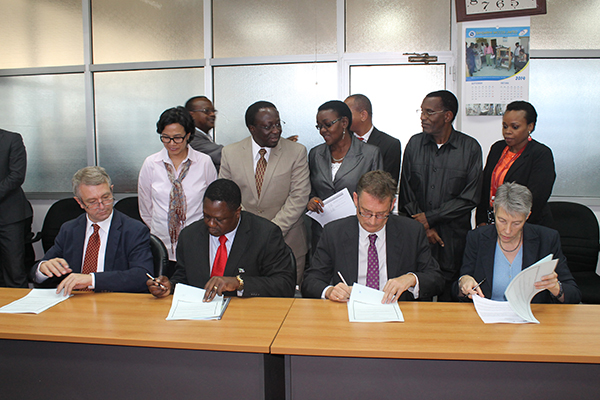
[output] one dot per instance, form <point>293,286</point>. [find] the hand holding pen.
<point>340,292</point>
<point>469,286</point>
<point>159,287</point>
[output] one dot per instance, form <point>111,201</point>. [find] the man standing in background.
<point>14,210</point>
<point>362,126</point>
<point>204,115</point>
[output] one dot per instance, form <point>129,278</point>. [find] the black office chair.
<point>579,237</point>
<point>60,212</point>
<point>160,255</point>
<point>129,206</point>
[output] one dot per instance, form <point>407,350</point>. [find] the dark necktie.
<point>372,264</point>
<point>90,261</point>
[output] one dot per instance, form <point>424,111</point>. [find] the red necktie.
<point>220,259</point>
<point>361,138</point>
<point>90,261</point>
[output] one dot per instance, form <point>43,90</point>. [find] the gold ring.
<point>215,287</point>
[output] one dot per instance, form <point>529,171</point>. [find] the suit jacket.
<point>202,143</point>
<point>390,149</point>
<point>407,250</point>
<point>534,168</point>
<point>14,206</point>
<point>285,189</point>
<point>258,253</point>
<point>538,242</point>
<point>360,159</point>
<point>128,255</point>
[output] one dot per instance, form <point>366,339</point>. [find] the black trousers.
<point>12,254</point>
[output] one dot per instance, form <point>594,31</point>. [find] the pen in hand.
<point>342,278</point>
<point>479,284</point>
<point>154,279</point>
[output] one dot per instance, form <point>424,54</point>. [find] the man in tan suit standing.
<point>273,176</point>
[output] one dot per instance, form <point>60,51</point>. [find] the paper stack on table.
<point>187,304</point>
<point>36,301</point>
<point>365,306</point>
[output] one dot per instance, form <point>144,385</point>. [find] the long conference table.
<point>116,345</point>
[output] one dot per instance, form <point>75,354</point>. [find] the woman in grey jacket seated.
<point>497,253</point>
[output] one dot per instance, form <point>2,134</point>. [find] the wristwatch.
<point>241,282</point>
<point>560,292</point>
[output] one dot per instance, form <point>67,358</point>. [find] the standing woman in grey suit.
<point>340,161</point>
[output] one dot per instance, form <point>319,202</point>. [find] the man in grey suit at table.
<point>374,248</point>
<point>204,115</point>
<point>283,194</point>
<point>230,251</point>
<point>363,129</point>
<point>15,210</point>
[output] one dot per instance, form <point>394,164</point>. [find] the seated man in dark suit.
<point>101,250</point>
<point>374,248</point>
<point>230,251</point>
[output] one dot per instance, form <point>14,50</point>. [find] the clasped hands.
<point>391,291</point>
<point>216,285</point>
<point>59,267</point>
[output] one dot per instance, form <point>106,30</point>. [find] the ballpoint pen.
<point>154,279</point>
<point>342,278</point>
<point>476,286</point>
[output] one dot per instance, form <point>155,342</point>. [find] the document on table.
<point>187,304</point>
<point>36,301</point>
<point>519,293</point>
<point>335,207</point>
<point>365,306</point>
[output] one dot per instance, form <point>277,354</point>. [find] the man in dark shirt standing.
<point>440,183</point>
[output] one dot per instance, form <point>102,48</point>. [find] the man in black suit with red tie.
<point>230,251</point>
<point>15,210</point>
<point>362,126</point>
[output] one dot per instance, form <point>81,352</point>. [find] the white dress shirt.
<point>154,188</point>
<point>366,136</point>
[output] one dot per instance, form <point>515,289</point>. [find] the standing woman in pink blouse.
<point>172,182</point>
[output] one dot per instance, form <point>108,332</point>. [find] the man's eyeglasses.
<point>429,113</point>
<point>368,215</point>
<point>95,204</point>
<point>176,139</point>
<point>206,111</point>
<point>327,124</point>
<point>269,128</point>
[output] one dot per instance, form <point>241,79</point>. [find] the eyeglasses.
<point>269,128</point>
<point>176,139</point>
<point>95,204</point>
<point>429,113</point>
<point>206,111</point>
<point>327,125</point>
<point>369,215</point>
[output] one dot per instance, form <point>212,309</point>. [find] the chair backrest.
<point>60,212</point>
<point>579,234</point>
<point>159,254</point>
<point>130,207</point>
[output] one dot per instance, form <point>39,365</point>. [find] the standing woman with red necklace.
<point>521,159</point>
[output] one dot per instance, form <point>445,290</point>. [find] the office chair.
<point>579,237</point>
<point>159,255</point>
<point>129,206</point>
<point>60,212</point>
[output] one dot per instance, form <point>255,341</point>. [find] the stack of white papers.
<point>338,206</point>
<point>187,304</point>
<point>365,306</point>
<point>520,291</point>
<point>36,301</point>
